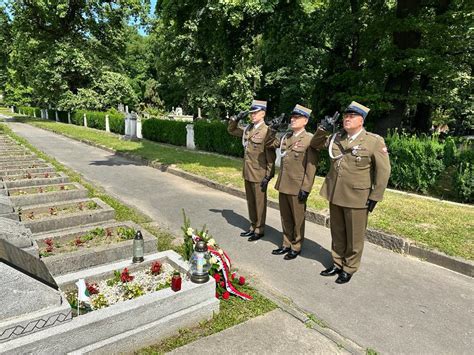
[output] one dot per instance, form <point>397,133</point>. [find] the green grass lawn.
<point>232,312</point>
<point>5,111</point>
<point>446,227</point>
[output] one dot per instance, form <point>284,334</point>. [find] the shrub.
<point>416,162</point>
<point>464,178</point>
<point>166,131</point>
<point>62,116</point>
<point>213,137</point>
<point>324,163</point>
<point>29,111</point>
<point>77,118</point>
<point>450,152</point>
<point>117,123</point>
<point>96,120</point>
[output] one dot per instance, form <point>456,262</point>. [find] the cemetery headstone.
<point>31,300</point>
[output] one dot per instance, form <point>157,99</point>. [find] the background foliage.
<point>409,61</point>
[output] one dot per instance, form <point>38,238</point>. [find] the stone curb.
<point>287,305</point>
<point>385,240</point>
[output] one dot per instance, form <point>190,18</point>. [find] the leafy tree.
<point>5,39</point>
<point>64,45</point>
<point>408,60</point>
<point>207,53</point>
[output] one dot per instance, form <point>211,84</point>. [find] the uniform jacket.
<point>259,158</point>
<point>298,166</point>
<point>360,173</point>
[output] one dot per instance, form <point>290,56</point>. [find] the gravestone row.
<point>42,220</point>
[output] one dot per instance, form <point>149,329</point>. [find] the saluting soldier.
<point>358,176</point>
<point>259,165</point>
<point>295,181</point>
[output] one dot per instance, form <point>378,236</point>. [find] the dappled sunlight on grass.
<point>444,226</point>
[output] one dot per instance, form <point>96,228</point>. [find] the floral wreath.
<point>220,262</point>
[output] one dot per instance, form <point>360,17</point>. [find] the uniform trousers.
<point>293,221</point>
<point>257,206</point>
<point>348,226</point>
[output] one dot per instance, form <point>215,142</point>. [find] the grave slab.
<point>31,300</point>
<point>15,233</point>
<point>157,314</point>
<point>48,197</point>
<point>58,178</point>
<point>6,206</point>
<point>99,255</point>
<point>102,214</point>
<point>7,172</point>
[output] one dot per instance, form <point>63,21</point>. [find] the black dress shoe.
<point>333,270</point>
<point>291,255</point>
<point>255,236</point>
<point>343,277</point>
<point>280,251</point>
<point>247,233</point>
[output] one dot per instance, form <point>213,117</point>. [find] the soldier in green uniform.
<point>295,181</point>
<point>259,165</point>
<point>358,176</point>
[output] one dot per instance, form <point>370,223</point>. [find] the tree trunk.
<point>423,121</point>
<point>398,85</point>
<point>355,62</point>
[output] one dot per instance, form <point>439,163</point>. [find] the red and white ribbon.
<point>224,262</point>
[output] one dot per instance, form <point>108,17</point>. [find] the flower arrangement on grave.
<point>227,282</point>
<point>124,285</point>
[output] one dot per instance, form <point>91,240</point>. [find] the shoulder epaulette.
<point>374,135</point>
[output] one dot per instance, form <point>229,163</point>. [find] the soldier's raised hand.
<point>328,123</point>
<point>276,123</point>
<point>239,116</point>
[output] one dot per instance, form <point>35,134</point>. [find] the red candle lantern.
<point>176,281</point>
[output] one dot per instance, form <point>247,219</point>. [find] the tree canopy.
<point>408,60</point>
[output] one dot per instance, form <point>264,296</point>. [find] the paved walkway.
<point>394,304</point>
<point>273,333</point>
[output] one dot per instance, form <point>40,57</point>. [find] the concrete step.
<point>47,169</point>
<point>36,180</point>
<point>87,257</point>
<point>73,219</point>
<point>77,192</point>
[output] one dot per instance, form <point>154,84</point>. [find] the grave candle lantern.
<point>200,263</point>
<point>138,248</point>
<point>176,281</point>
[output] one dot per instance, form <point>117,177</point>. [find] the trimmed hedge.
<point>116,123</point>
<point>30,111</point>
<point>165,131</point>
<point>417,162</point>
<point>62,116</point>
<point>77,118</point>
<point>96,119</point>
<point>463,179</point>
<point>213,137</point>
<point>426,165</point>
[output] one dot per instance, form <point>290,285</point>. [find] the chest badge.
<point>355,150</point>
